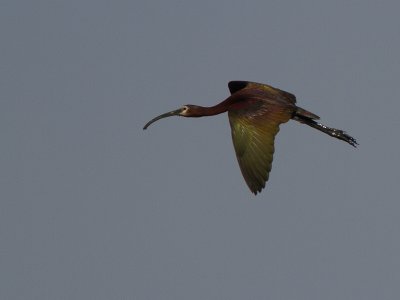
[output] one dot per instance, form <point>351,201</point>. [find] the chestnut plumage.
<point>255,112</point>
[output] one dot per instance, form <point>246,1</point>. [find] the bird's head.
<point>184,111</point>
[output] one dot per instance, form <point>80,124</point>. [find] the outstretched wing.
<point>253,136</point>
<point>270,91</point>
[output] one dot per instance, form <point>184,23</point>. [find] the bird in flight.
<point>255,111</point>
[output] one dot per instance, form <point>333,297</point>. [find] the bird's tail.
<point>306,117</point>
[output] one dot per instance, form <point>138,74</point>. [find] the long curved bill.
<point>168,114</point>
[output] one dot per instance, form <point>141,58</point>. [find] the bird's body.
<point>255,112</point>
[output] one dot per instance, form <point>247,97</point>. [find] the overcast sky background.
<point>93,207</point>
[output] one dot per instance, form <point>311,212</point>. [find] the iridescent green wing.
<point>253,136</point>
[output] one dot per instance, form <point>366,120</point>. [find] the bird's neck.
<point>201,111</point>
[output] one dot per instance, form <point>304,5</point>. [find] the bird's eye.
<point>184,108</point>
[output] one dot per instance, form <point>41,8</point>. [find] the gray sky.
<point>93,207</point>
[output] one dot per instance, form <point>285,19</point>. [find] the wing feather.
<point>270,91</point>
<point>253,137</point>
